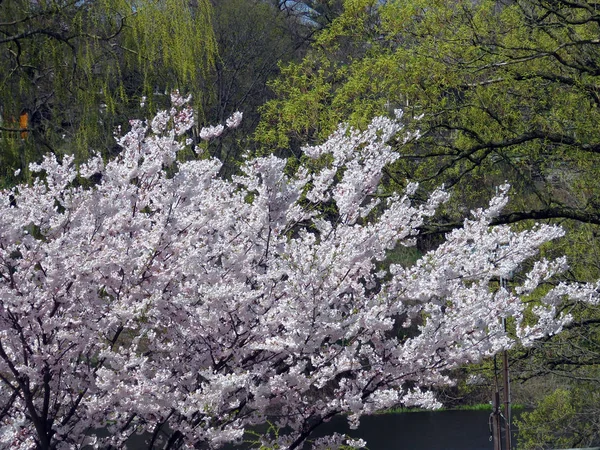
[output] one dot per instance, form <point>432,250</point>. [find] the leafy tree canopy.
<point>506,90</point>
<point>78,69</point>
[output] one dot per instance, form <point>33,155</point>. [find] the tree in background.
<point>79,70</point>
<point>163,299</point>
<point>567,418</point>
<point>253,37</point>
<point>505,90</point>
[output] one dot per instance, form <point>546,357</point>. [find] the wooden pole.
<point>507,430</point>
<point>496,425</point>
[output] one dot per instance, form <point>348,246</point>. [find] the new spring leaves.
<point>190,307</point>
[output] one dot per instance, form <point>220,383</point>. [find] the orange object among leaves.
<point>23,123</point>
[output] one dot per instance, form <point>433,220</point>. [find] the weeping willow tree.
<point>72,72</point>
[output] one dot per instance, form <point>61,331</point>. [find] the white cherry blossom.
<point>164,299</point>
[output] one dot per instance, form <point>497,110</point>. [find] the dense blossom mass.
<point>164,299</point>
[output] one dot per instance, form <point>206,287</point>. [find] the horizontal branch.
<point>582,323</point>
<point>559,212</point>
<point>15,130</point>
<point>535,135</point>
<point>30,34</point>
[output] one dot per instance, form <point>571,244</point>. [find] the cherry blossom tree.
<point>165,300</point>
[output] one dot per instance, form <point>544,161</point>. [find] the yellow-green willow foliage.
<point>80,69</point>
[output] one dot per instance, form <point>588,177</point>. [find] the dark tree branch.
<point>15,130</point>
<point>558,212</point>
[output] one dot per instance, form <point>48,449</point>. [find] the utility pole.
<point>495,416</point>
<point>507,429</point>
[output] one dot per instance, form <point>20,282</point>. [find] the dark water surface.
<point>442,430</point>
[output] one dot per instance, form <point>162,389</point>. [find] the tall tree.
<point>78,69</point>
<point>502,86</point>
<point>164,299</point>
<point>505,91</point>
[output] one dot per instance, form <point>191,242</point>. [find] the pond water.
<point>442,430</point>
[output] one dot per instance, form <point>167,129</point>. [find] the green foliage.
<point>501,99</point>
<point>508,92</point>
<point>566,418</point>
<point>252,38</point>
<point>475,407</point>
<point>404,256</point>
<point>80,69</point>
<point>255,438</point>
<point>304,115</point>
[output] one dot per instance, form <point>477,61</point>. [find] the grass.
<point>476,407</point>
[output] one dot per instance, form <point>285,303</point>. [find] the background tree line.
<point>505,90</point>
<point>74,72</point>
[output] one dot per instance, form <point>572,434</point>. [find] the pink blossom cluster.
<point>235,120</point>
<point>214,131</point>
<point>189,307</point>
<point>211,132</point>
